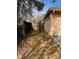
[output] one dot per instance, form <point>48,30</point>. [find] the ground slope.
<point>39,45</point>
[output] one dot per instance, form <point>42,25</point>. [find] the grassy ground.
<point>38,45</point>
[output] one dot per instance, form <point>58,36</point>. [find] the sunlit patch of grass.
<point>37,37</point>
<point>43,36</point>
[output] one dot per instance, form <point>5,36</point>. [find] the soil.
<point>39,45</point>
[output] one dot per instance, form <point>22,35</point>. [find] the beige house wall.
<point>47,26</point>
<point>53,24</point>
